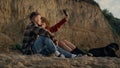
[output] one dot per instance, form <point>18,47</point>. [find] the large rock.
<point>86,28</point>
<point>37,61</point>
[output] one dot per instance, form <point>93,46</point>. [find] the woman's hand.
<point>55,41</point>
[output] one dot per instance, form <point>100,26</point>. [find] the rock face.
<point>86,28</point>
<point>37,61</point>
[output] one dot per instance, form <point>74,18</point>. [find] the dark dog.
<point>108,51</point>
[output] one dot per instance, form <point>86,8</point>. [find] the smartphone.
<point>64,11</point>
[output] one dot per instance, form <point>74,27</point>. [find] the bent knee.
<point>61,43</point>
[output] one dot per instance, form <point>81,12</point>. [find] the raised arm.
<point>55,27</point>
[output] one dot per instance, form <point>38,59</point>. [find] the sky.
<point>112,5</point>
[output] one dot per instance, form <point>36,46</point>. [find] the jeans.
<point>45,46</point>
<point>64,52</point>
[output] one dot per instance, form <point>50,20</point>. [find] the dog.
<point>108,51</point>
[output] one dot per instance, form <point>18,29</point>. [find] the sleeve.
<point>41,31</point>
<point>57,26</point>
<point>38,30</point>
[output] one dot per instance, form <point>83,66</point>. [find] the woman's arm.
<point>55,27</point>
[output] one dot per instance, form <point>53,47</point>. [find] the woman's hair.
<point>44,20</point>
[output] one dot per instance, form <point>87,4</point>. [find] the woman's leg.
<point>69,44</point>
<point>74,49</point>
<point>64,46</point>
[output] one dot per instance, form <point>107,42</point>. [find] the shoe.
<point>61,55</point>
<point>89,54</point>
<point>79,55</point>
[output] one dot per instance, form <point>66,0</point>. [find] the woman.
<point>63,43</point>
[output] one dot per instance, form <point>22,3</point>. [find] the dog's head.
<point>113,46</point>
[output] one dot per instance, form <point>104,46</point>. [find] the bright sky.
<point>112,5</point>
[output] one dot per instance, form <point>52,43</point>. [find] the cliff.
<point>87,28</point>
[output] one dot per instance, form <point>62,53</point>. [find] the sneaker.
<point>89,54</point>
<point>79,55</point>
<point>61,55</point>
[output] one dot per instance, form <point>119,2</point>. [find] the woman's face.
<point>43,25</point>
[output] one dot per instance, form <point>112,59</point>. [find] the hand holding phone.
<point>64,11</point>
